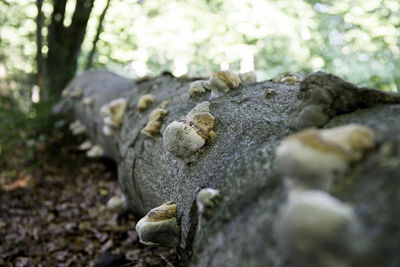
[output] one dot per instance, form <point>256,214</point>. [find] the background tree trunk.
<point>65,43</point>
<point>240,162</point>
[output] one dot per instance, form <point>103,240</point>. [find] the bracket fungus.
<point>144,102</point>
<point>207,201</point>
<point>118,204</point>
<point>77,127</point>
<point>287,77</point>
<point>113,115</point>
<point>222,82</point>
<point>184,138</point>
<point>87,144</point>
<point>317,230</point>
<point>313,158</point>
<point>248,77</point>
<point>76,93</point>
<point>159,227</point>
<point>95,152</point>
<point>199,87</point>
<point>88,101</point>
<point>65,93</point>
<point>153,126</point>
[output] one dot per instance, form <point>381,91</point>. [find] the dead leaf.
<point>22,182</point>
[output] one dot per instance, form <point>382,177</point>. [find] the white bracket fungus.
<point>76,93</point>
<point>95,152</point>
<point>145,101</point>
<point>113,115</point>
<point>88,101</point>
<point>118,204</point>
<point>153,126</point>
<point>87,144</point>
<point>287,77</point>
<point>183,139</point>
<point>207,201</point>
<point>199,87</point>
<point>317,230</point>
<point>314,158</point>
<point>65,93</point>
<point>77,127</point>
<point>159,227</point>
<point>248,77</point>
<point>222,82</point>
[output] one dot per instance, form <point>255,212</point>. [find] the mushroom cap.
<point>314,158</point>
<point>182,141</point>
<point>307,161</point>
<point>309,227</point>
<point>159,226</point>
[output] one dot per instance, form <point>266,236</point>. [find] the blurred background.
<point>44,43</point>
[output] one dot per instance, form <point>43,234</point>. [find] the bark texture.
<point>240,161</point>
<point>65,43</point>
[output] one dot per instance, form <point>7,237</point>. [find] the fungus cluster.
<point>159,227</point>
<point>113,115</point>
<point>310,221</point>
<point>153,126</point>
<point>221,83</point>
<point>184,138</point>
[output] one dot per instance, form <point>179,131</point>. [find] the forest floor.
<point>53,212</point>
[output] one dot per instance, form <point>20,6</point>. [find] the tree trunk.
<point>240,161</point>
<point>65,43</point>
<point>97,37</point>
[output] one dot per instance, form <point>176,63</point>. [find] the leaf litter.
<point>55,214</point>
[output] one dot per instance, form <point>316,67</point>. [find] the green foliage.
<point>20,131</point>
<point>358,40</point>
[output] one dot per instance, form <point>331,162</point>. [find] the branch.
<point>41,67</point>
<point>97,37</point>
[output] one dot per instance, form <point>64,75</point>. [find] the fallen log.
<point>239,162</point>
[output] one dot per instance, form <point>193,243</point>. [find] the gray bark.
<point>240,161</point>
